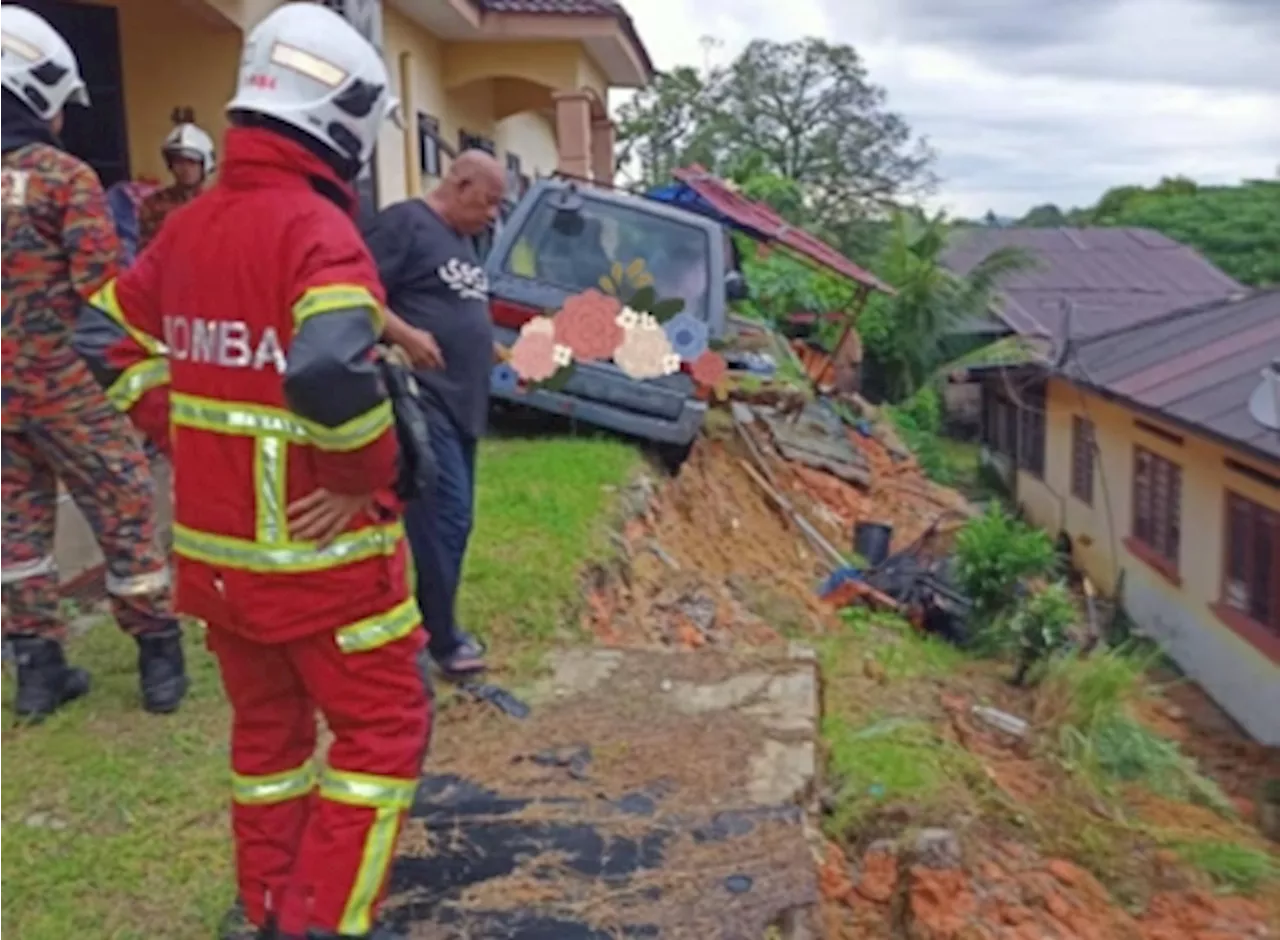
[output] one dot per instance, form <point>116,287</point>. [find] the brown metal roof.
<point>1196,366</point>
<point>768,226</point>
<point>1110,278</point>
<point>610,8</point>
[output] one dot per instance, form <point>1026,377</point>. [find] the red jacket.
<point>250,325</point>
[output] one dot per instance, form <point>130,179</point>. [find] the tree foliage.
<point>902,334</point>
<point>804,112</point>
<point>1235,227</point>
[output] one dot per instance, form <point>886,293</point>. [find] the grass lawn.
<point>116,821</point>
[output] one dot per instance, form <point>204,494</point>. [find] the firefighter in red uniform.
<point>287,534</point>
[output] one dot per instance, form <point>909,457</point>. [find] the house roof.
<point>1198,366</point>
<point>706,193</point>
<point>1109,278</point>
<point>605,8</point>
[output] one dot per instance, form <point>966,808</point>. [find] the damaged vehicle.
<point>562,239</point>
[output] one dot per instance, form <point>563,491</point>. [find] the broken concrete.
<point>649,794</point>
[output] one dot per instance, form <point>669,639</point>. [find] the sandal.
<point>466,659</point>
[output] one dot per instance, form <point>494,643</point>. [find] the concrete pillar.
<point>602,139</point>
<point>573,133</point>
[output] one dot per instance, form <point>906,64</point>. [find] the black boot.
<point>235,926</point>
<point>45,681</point>
<point>162,672</point>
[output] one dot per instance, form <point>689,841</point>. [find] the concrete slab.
<point>649,794</point>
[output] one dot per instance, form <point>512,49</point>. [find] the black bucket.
<point>871,541</point>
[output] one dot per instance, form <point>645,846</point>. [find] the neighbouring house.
<point>1083,282</point>
<point>526,79</point>
<point>1155,449</point>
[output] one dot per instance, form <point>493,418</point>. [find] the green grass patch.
<point>116,822</point>
<point>543,509</point>
<point>1090,699</point>
<point>1236,868</point>
<point>901,651</point>
<point>891,760</point>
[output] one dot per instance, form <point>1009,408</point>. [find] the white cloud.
<point>1028,105</point>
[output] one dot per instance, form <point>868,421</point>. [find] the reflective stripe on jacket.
<point>240,342</point>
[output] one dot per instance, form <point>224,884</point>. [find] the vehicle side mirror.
<point>735,287</point>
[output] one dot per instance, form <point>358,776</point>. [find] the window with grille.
<point>1082,444</point>
<point>428,144</point>
<point>1251,575</point>
<point>468,141</point>
<point>999,420</point>
<point>1031,430</point>
<point>1157,504</point>
<point>514,176</point>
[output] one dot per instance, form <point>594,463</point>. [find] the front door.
<point>97,134</point>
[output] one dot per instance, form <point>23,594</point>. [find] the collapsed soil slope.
<point>710,561</point>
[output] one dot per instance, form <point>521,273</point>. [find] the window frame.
<point>1256,515</point>
<point>430,153</point>
<point>1161,526</point>
<point>1032,430</point>
<point>515,175</point>
<point>1264,637</point>
<point>999,420</point>
<point>1083,448</point>
<point>470,141</point>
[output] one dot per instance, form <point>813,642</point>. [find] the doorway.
<point>97,134</point>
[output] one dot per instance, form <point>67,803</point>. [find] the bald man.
<point>439,298</point>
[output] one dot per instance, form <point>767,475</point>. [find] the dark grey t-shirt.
<point>435,282</point>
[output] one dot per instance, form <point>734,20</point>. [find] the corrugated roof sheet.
<point>1110,278</point>
<point>767,225</point>
<point>1198,366</point>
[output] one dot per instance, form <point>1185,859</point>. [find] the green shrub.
<point>994,553</point>
<point>919,421</point>
<point>1041,625</point>
<point>1087,691</point>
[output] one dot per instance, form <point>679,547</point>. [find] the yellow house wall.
<point>532,137</point>
<point>173,54</point>
<point>1236,673</point>
<point>454,83</point>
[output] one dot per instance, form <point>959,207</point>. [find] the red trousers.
<point>313,849</point>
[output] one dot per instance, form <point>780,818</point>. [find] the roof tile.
<point>1109,278</point>
<point>1198,365</point>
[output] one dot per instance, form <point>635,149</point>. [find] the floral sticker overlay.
<point>624,322</point>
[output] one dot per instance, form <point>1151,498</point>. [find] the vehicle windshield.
<point>577,250</point>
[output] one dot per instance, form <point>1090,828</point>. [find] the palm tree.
<point>903,333</point>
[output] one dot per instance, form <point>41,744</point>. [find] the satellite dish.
<point>1264,403</point>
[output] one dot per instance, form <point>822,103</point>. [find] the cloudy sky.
<point>1033,101</point>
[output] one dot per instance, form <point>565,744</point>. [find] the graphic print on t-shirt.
<point>469,280</point>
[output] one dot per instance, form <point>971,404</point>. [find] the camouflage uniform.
<point>60,247</point>
<point>156,208</point>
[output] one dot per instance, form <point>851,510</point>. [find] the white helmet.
<point>306,66</point>
<point>188,140</point>
<point>36,63</point>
